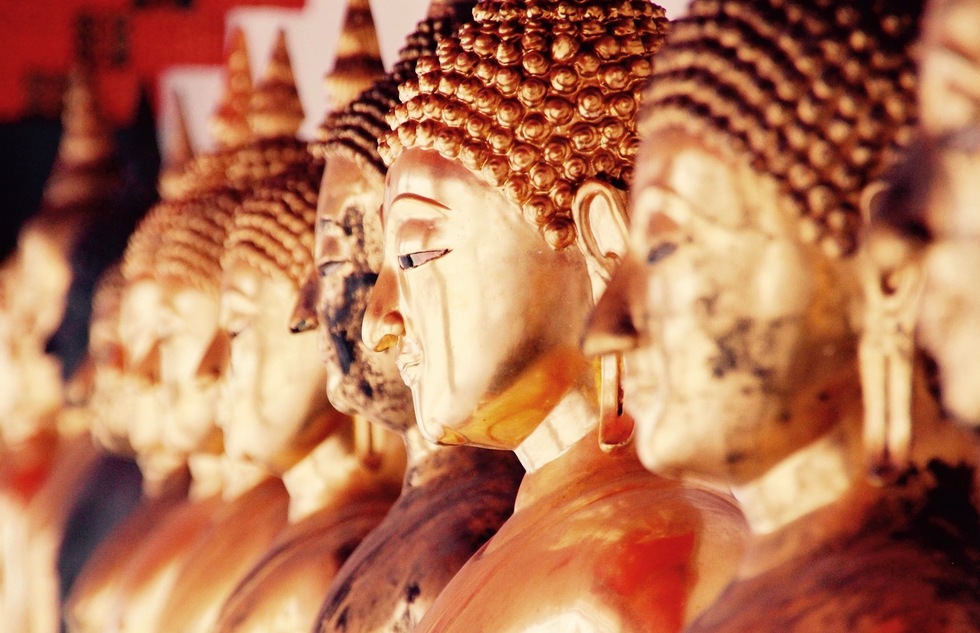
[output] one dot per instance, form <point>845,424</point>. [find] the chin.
<point>961,398</point>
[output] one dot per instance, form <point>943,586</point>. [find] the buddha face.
<point>190,366</point>
<point>725,318</point>
<point>273,387</point>
<point>949,87</point>
<point>109,404</point>
<point>950,94</point>
<point>136,407</point>
<point>347,253</point>
<point>487,317</point>
<point>36,288</point>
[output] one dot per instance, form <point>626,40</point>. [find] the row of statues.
<point>575,320</point>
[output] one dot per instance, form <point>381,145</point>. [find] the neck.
<point>333,474</point>
<point>573,418</point>
<point>73,421</point>
<point>806,481</point>
<point>206,478</point>
<point>420,454</point>
<point>157,469</point>
<point>238,477</point>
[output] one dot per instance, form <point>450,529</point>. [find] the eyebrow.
<point>438,207</point>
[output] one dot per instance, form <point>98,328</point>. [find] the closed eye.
<point>328,268</point>
<point>414,260</point>
<point>657,253</point>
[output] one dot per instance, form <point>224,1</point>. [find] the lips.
<point>409,361</point>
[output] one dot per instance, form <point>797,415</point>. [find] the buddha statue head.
<point>349,237</point>
<point>193,354</point>
<point>738,304</point>
<point>930,227</point>
<point>272,408</point>
<point>40,272</point>
<point>110,409</point>
<point>518,133</point>
<point>168,324</point>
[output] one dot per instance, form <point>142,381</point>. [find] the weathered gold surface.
<point>484,296</point>
<point>740,307</point>
<point>282,591</point>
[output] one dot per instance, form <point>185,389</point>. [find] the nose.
<point>79,389</point>
<point>383,323</point>
<point>217,357</point>
<point>303,318</point>
<point>148,367</point>
<point>611,328</point>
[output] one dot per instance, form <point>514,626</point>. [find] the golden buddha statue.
<point>740,304</point>
<point>933,212</point>
<point>171,293</point>
<point>453,498</point>
<point>171,368</point>
<point>95,592</point>
<point>277,413</point>
<point>40,271</point>
<point>516,138</point>
<point>273,412</point>
<point>46,452</point>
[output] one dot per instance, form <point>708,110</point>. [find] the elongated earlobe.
<point>893,289</point>
<point>599,212</point>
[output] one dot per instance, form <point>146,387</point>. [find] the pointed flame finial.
<point>86,152</point>
<point>229,125</point>
<point>439,9</point>
<point>358,62</point>
<point>275,108</point>
<point>177,153</point>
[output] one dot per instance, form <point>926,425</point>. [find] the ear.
<point>893,285</point>
<point>601,219</point>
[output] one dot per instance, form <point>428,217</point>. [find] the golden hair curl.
<point>535,98</point>
<point>819,94</point>
<point>182,241</point>
<point>272,230</point>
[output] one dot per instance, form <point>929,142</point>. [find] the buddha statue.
<point>45,450</point>
<point>39,274</point>
<point>452,498</point>
<point>275,418</point>
<point>168,324</point>
<point>274,411</point>
<point>928,227</point>
<point>94,593</point>
<point>166,269</point>
<point>516,137</point>
<point>740,308</point>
